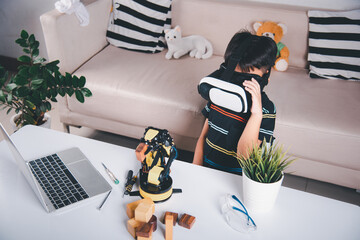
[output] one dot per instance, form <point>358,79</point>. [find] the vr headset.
<point>227,91</point>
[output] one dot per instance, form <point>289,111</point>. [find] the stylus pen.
<point>102,204</point>
<point>111,175</point>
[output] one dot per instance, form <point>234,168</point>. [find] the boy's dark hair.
<point>260,51</point>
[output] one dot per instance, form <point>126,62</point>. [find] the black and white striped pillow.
<point>334,44</point>
<point>139,24</point>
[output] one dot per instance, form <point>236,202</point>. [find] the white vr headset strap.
<point>226,94</point>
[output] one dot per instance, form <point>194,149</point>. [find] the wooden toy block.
<point>132,225</point>
<point>153,221</point>
<point>130,208</point>
<point>169,221</point>
<point>175,217</point>
<point>187,221</point>
<point>143,238</point>
<point>144,212</point>
<point>140,151</point>
<point>145,230</point>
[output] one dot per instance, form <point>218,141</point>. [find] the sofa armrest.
<point>71,43</point>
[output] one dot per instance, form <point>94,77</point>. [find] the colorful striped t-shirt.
<point>225,129</point>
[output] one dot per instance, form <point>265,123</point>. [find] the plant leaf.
<point>2,96</point>
<point>81,82</point>
<point>24,59</point>
<point>79,96</point>
<point>69,91</point>
<point>34,70</point>
<point>10,87</point>
<point>35,53</point>
<point>9,98</point>
<point>68,79</point>
<point>61,91</point>
<point>24,34</point>
<point>86,92</point>
<point>48,106</point>
<point>23,92</point>
<point>32,39</point>
<point>37,81</point>
<point>75,80</point>
<point>20,80</point>
<point>34,45</point>
<point>30,104</point>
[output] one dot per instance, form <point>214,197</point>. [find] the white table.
<point>296,215</point>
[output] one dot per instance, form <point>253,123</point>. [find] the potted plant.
<point>36,84</point>
<point>263,173</point>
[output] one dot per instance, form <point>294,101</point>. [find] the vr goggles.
<point>226,89</point>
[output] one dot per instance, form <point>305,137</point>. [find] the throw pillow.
<point>139,24</point>
<point>334,44</point>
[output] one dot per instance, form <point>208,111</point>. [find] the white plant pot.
<point>260,197</point>
<point>47,123</point>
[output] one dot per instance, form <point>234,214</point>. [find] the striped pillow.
<point>139,24</point>
<point>334,44</point>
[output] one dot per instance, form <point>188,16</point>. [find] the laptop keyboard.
<point>57,181</point>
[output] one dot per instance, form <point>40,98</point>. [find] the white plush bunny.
<point>198,46</point>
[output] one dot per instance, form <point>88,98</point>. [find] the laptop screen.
<point>20,162</point>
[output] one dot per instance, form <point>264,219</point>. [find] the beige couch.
<point>319,119</point>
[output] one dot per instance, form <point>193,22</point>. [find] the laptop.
<point>61,180</point>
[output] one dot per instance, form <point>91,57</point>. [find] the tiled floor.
<point>291,181</point>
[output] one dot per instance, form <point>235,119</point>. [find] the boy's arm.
<point>199,149</point>
<point>250,136</point>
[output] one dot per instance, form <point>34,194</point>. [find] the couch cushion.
<point>334,44</point>
<point>315,115</point>
<point>129,87</point>
<point>220,20</point>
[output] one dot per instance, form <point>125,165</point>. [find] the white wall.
<point>16,15</point>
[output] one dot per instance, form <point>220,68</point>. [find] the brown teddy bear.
<point>276,32</point>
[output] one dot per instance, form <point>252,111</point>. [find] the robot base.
<point>159,193</point>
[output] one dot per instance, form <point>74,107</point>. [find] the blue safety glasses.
<point>236,214</point>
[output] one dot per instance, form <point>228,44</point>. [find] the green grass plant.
<point>265,163</point>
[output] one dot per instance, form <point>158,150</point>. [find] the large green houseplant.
<point>263,173</point>
<point>36,84</point>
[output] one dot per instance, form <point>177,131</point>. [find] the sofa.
<point>317,119</point>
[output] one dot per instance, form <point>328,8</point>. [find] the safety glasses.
<point>236,214</point>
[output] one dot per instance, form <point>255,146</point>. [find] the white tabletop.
<point>296,215</point>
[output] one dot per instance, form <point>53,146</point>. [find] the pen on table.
<point>111,175</point>
<point>102,204</point>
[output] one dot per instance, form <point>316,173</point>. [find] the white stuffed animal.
<point>198,46</point>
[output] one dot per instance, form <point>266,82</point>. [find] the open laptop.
<point>60,180</point>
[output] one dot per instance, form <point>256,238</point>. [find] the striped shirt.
<point>225,129</point>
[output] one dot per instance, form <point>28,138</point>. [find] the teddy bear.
<point>276,32</point>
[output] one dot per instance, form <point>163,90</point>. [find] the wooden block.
<point>130,208</point>
<point>145,230</point>
<point>187,221</point>
<point>144,212</point>
<point>175,217</point>
<point>153,221</point>
<point>143,238</point>
<point>169,221</point>
<point>140,151</point>
<point>132,224</point>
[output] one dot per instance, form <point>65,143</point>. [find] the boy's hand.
<point>253,88</point>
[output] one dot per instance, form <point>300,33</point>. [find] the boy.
<point>227,134</point>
